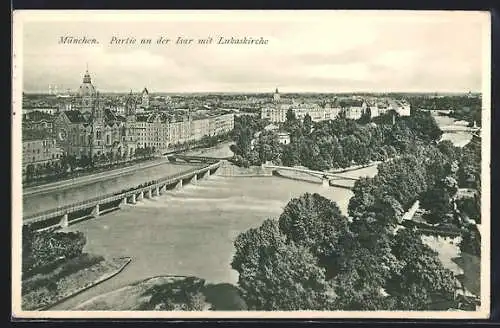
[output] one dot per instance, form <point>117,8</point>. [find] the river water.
<point>459,138</point>
<point>191,231</point>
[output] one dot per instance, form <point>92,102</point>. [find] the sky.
<point>307,51</point>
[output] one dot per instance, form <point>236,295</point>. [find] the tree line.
<point>68,163</point>
<point>41,250</point>
<point>314,258</point>
<point>462,108</point>
<point>337,143</point>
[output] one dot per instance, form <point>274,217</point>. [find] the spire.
<point>86,77</point>
<point>277,90</point>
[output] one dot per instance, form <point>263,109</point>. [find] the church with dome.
<point>86,93</point>
<point>91,129</point>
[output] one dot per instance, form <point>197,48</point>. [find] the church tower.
<point>276,96</point>
<point>145,99</point>
<point>97,110</point>
<point>130,106</point>
<point>86,92</point>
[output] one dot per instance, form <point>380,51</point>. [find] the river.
<point>459,138</point>
<point>191,231</point>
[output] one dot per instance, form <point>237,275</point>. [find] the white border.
<point>20,17</point>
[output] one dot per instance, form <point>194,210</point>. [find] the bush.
<point>43,250</point>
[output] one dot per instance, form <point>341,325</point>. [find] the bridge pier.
<point>325,182</point>
<point>157,191</point>
<point>148,194</point>
<point>95,211</point>
<point>140,196</point>
<point>64,223</point>
<point>123,202</point>
<point>132,199</point>
<point>179,185</point>
<point>194,179</point>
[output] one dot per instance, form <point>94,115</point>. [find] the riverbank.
<point>82,173</point>
<point>88,177</point>
<point>168,293</point>
<point>83,177</point>
<point>47,289</point>
<point>221,150</point>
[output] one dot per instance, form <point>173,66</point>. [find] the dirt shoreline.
<point>105,276</point>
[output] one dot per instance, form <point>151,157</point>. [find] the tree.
<point>307,124</point>
<point>422,279</point>
<point>388,209</point>
<point>291,155</point>
<point>268,148</point>
<point>450,185</point>
<point>46,247</point>
<point>290,115</point>
<point>30,172</point>
<point>278,275</point>
<point>180,295</point>
<point>365,266</point>
<point>316,223</point>
<point>471,241</point>
<point>364,196</point>
<point>447,148</point>
<point>470,207</point>
<point>235,149</point>
<point>437,201</point>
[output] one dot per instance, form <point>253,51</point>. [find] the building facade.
<point>97,132</point>
<point>354,109</point>
<point>40,152</point>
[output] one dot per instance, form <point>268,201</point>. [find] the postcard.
<point>251,164</point>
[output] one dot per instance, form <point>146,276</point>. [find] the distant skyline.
<point>307,51</point>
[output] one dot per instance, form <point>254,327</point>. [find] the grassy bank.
<point>168,293</point>
<point>63,280</point>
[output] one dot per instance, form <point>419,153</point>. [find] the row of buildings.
<point>92,130</point>
<point>276,111</point>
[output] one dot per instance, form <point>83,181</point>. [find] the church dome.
<point>86,88</point>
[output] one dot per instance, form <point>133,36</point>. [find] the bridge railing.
<point>296,169</point>
<point>115,195</point>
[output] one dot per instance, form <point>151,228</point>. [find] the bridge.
<point>459,128</point>
<point>72,213</point>
<point>195,159</point>
<point>327,178</point>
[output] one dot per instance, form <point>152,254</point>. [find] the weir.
<point>64,216</point>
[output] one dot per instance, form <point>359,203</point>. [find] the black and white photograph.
<point>251,164</point>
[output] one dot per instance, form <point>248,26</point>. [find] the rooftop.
<point>35,134</point>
